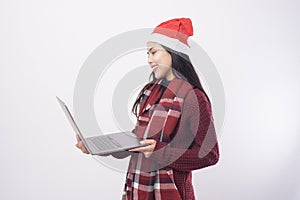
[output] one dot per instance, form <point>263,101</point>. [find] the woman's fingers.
<point>78,138</point>
<point>84,150</point>
<point>148,141</point>
<point>139,149</point>
<point>80,145</point>
<point>147,150</point>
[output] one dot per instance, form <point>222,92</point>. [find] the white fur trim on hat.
<point>172,43</point>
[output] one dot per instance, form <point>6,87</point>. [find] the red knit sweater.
<point>196,122</point>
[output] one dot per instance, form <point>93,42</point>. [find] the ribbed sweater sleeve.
<point>197,132</point>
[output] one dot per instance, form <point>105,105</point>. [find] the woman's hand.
<point>147,150</point>
<point>81,146</point>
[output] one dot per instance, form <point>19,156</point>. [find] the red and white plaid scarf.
<point>146,180</point>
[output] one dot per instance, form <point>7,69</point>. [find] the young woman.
<point>174,116</point>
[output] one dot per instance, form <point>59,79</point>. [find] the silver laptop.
<point>104,144</point>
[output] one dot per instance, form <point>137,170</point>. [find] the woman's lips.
<point>155,68</point>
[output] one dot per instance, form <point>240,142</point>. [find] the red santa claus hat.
<point>174,34</point>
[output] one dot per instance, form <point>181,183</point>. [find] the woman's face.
<point>160,61</point>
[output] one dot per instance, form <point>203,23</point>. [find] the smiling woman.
<point>160,61</point>
<point>174,116</point>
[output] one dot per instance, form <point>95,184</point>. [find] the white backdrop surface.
<point>255,46</point>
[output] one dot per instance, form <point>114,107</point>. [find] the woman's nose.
<point>150,59</point>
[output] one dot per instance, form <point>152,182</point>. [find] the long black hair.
<point>182,68</point>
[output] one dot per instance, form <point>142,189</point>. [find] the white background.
<point>254,45</point>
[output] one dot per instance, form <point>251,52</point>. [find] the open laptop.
<point>104,144</point>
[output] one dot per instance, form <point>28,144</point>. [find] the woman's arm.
<point>197,126</point>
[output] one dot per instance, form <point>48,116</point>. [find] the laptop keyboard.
<point>104,143</point>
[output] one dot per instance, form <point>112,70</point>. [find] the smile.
<point>155,68</point>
